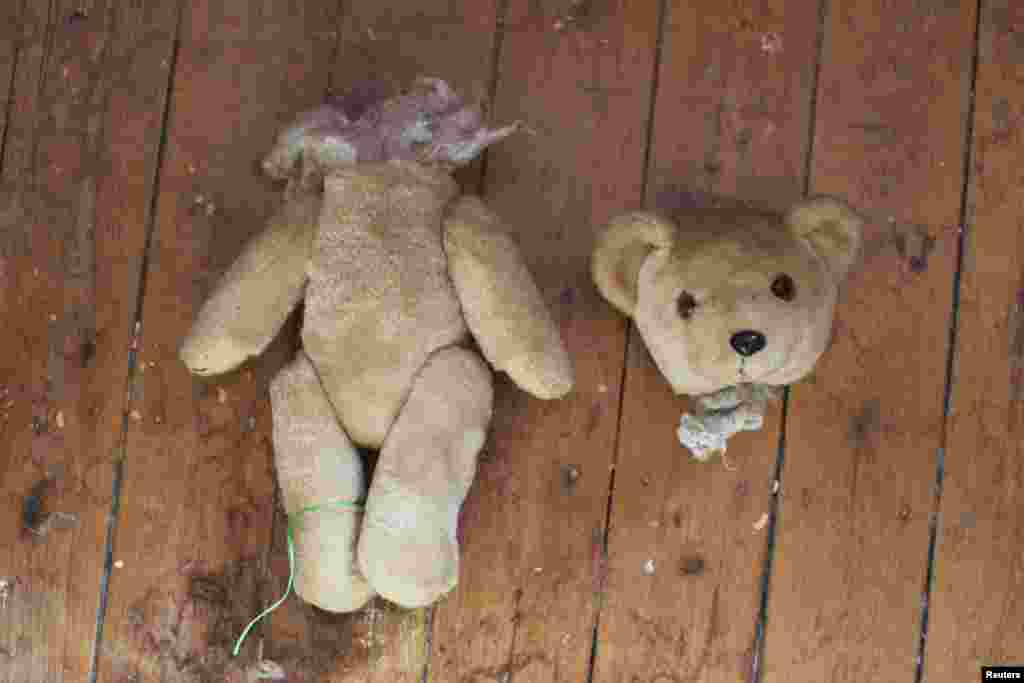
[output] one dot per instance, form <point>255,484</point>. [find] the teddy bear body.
<point>396,272</point>
<point>378,272</point>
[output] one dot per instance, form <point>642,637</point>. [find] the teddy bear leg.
<point>408,548</point>
<point>322,484</point>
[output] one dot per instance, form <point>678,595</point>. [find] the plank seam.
<point>500,21</point>
<point>9,105</point>
<point>135,333</point>
<point>758,647</point>
<point>954,326</point>
<point>507,669</point>
<point>338,26</point>
<point>630,339</point>
<point>91,144</point>
<point>49,37</point>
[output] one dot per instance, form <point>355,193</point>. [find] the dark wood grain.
<point>79,155</point>
<point>579,76</point>
<point>11,34</point>
<point>731,120</point>
<point>198,492</point>
<point>862,439</point>
<point>977,602</point>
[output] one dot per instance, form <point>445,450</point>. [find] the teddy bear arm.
<point>254,297</point>
<point>501,303</point>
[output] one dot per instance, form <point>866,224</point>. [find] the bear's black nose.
<point>748,342</point>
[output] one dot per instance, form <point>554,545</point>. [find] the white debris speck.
<point>60,419</point>
<point>53,317</point>
<point>135,415</point>
<point>538,570</point>
<point>771,43</point>
<point>761,523</point>
<point>649,567</point>
<point>602,388</point>
<point>5,592</point>
<point>654,524</point>
<point>222,395</point>
<point>266,670</point>
<point>119,564</point>
<point>775,486</point>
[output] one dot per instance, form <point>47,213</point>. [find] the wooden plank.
<point>731,118</point>
<point>198,492</point>
<point>862,439</point>
<point>391,43</point>
<point>579,75</point>
<point>79,157</point>
<point>11,31</point>
<point>977,603</point>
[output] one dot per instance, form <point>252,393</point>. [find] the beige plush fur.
<point>408,548</point>
<point>380,300</point>
<point>271,270</point>
<point>727,261</point>
<point>318,466</point>
<point>502,305</point>
<point>697,282</point>
<point>396,272</point>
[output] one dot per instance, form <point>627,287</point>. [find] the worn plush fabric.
<point>691,284</point>
<point>319,469</point>
<point>395,272</point>
<point>408,547</point>
<point>257,293</point>
<point>380,300</point>
<point>501,303</point>
<point>729,297</point>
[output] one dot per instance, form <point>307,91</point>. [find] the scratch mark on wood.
<point>1016,355</point>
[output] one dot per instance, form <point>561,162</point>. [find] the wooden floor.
<point>871,532</point>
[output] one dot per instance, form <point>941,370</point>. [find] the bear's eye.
<point>685,305</point>
<point>784,288</point>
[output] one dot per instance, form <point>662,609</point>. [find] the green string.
<point>291,562</point>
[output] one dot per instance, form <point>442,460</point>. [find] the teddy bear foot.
<point>408,548</point>
<point>322,484</point>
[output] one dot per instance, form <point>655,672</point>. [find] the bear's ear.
<point>621,249</point>
<point>832,228</point>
